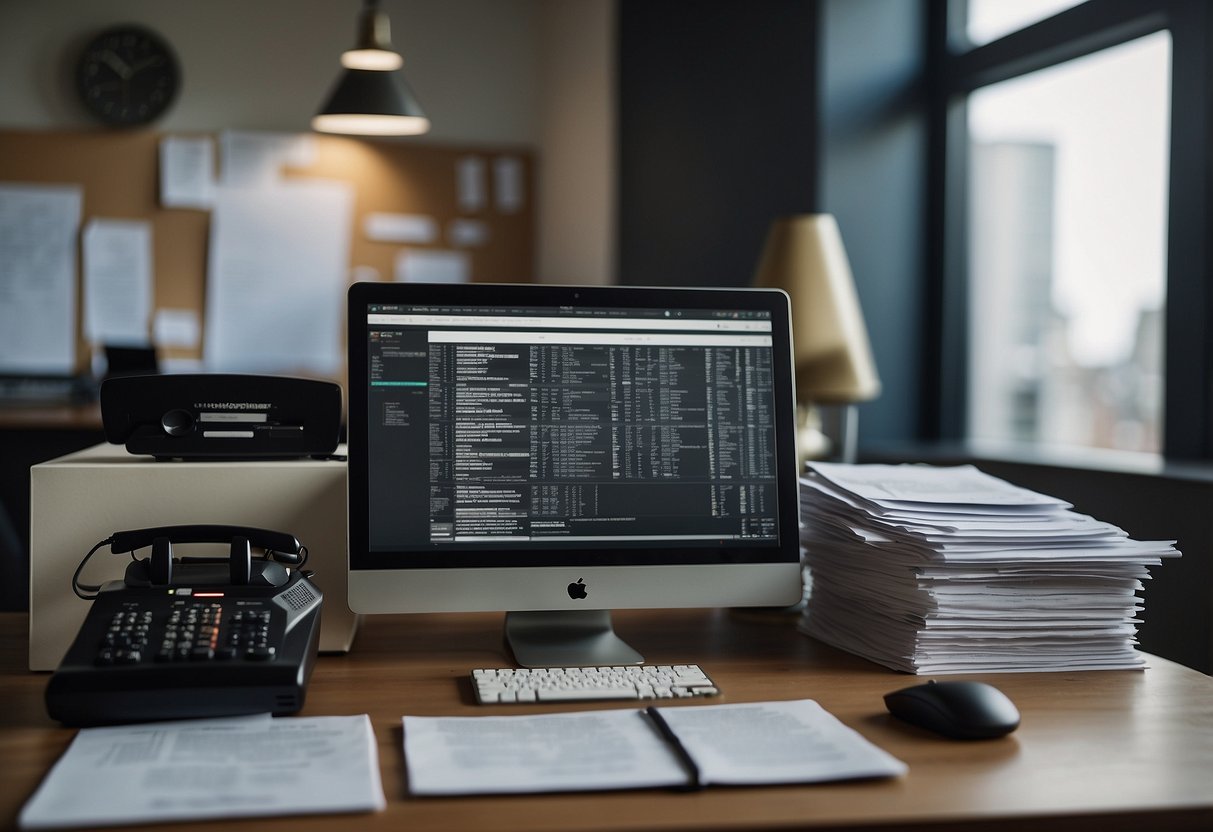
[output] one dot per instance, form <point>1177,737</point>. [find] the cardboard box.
<point>82,498</point>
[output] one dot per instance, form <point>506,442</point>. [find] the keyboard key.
<point>574,694</point>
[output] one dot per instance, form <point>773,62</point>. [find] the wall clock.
<point>127,76</point>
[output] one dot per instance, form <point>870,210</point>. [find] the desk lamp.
<point>805,257</point>
<point>371,98</point>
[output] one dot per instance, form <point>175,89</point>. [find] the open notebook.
<point>673,747</point>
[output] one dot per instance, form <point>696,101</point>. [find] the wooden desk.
<point>1096,750</point>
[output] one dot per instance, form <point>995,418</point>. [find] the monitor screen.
<point>567,449</point>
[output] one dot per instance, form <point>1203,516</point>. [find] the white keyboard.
<point>569,684</point>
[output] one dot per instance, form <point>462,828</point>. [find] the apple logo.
<point>577,590</point>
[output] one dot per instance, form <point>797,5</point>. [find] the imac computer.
<point>557,452</point>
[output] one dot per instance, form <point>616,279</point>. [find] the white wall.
<point>534,73</point>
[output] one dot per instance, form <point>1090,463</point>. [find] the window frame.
<point>954,70</point>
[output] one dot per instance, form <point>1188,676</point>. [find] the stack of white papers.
<point>949,570</point>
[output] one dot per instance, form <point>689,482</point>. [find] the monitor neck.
<point>566,638</point>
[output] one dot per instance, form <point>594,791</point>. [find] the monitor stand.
<point>566,638</point>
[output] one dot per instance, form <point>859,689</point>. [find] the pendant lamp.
<point>371,97</point>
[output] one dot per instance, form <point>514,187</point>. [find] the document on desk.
<point>210,768</point>
<point>736,744</point>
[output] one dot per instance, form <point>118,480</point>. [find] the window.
<point>991,19</point>
<point>1070,202</point>
<point>1067,230</point>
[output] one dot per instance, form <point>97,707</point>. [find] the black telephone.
<point>188,637</point>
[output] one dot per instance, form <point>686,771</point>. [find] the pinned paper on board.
<point>433,267</point>
<point>278,262</point>
<point>253,158</point>
<point>187,172</point>
<point>38,229</point>
<point>400,228</point>
<point>117,281</point>
<point>470,183</point>
<point>507,184</point>
<point>176,328</point>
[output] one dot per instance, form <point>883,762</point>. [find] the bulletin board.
<point>119,174</point>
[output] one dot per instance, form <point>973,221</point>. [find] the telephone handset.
<point>283,544</point>
<point>239,568</point>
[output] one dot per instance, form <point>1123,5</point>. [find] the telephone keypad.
<point>125,640</point>
<point>193,631</point>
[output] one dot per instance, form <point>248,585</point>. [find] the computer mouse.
<point>961,710</point>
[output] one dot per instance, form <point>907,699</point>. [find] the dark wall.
<point>873,179</point>
<point>733,113</point>
<point>717,134</point>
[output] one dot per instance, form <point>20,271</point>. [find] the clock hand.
<point>155,60</point>
<point>111,59</point>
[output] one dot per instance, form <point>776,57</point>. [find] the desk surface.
<point>1096,750</point>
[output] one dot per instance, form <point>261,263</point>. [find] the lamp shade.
<point>805,257</point>
<point>369,103</point>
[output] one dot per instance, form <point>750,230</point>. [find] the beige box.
<point>82,498</point>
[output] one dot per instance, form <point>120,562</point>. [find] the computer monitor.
<point>558,452</point>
